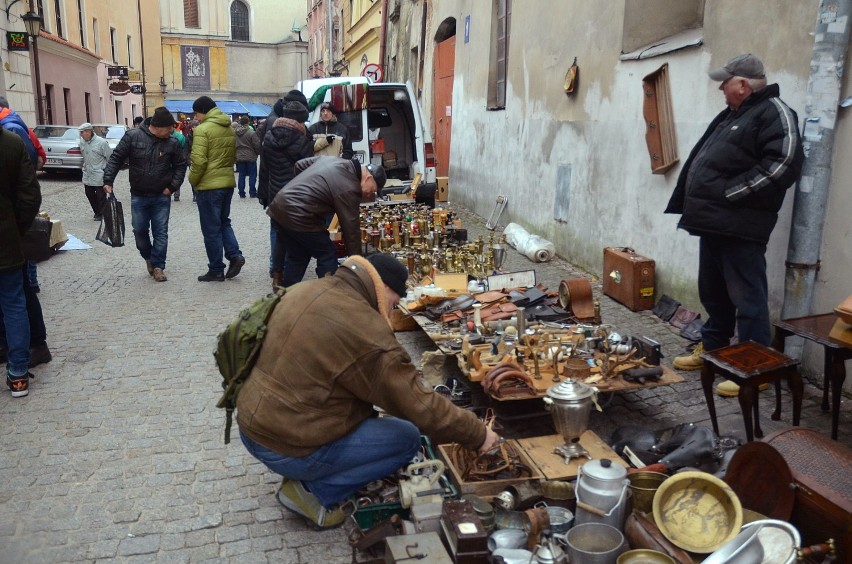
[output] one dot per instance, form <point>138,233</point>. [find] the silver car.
<point>62,143</point>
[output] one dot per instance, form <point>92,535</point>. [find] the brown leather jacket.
<point>330,355</point>
<point>322,186</point>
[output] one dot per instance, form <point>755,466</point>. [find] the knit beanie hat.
<point>162,117</point>
<point>295,111</point>
<point>379,175</point>
<point>295,96</point>
<point>203,105</point>
<point>391,271</point>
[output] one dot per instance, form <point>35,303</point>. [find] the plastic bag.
<point>535,248</point>
<point>111,230</point>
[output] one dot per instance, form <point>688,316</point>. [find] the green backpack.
<point>237,349</point>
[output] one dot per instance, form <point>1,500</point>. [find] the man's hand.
<point>108,188</point>
<point>329,139</point>
<point>167,192</point>
<point>491,440</point>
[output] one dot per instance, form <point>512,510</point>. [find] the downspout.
<point>142,49</point>
<point>383,35</point>
<point>831,43</point>
<point>329,17</point>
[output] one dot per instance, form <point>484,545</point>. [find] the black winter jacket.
<point>736,176</point>
<point>334,127</point>
<point>155,164</point>
<point>20,198</point>
<point>284,145</point>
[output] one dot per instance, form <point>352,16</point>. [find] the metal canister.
<point>483,510</point>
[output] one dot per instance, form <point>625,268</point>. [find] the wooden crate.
<point>552,465</point>
<point>442,193</point>
<point>491,487</point>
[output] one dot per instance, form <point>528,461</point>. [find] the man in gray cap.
<point>728,193</point>
<point>96,153</point>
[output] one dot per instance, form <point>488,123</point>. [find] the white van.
<point>386,127</point>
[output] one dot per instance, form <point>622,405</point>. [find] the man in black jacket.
<point>330,133</point>
<point>728,193</point>
<point>157,168</point>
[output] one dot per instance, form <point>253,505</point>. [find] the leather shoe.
<point>40,355</point>
<point>235,266</point>
<point>212,277</point>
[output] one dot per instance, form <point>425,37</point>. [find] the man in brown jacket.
<point>330,355</point>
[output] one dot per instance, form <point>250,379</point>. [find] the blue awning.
<point>179,106</point>
<point>231,107</point>
<point>256,109</point>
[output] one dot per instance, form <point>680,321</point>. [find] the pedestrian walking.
<point>214,152</point>
<point>157,169</point>
<point>20,198</point>
<point>248,150</point>
<point>96,153</point>
<point>728,194</point>
<point>322,187</point>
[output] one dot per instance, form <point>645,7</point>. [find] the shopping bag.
<point>111,230</point>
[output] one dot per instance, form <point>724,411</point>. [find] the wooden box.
<point>822,477</point>
<point>629,278</point>
<point>490,487</point>
<point>442,192</point>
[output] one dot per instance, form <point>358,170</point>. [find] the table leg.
<point>838,376</point>
<point>827,376</point>
<point>707,377</point>
<point>748,403</point>
<point>797,388</point>
<point>776,415</point>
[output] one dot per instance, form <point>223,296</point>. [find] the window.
<point>659,120</point>
<point>112,47</point>
<point>48,102</point>
<point>239,21</point>
<point>87,100</point>
<point>118,112</point>
<point>129,51</point>
<point>81,21</point>
<point>499,54</point>
<point>655,27</point>
<point>96,41</point>
<point>190,13</point>
<point>57,8</point>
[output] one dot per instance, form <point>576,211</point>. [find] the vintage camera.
<point>649,348</point>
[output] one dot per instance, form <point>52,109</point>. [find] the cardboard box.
<point>442,193</point>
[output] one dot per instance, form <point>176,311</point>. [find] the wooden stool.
<point>749,365</point>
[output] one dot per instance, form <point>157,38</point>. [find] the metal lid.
<point>570,389</point>
<point>604,469</point>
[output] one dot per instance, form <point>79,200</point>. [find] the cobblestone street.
<point>117,453</point>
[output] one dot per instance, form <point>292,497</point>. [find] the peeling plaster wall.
<point>590,148</point>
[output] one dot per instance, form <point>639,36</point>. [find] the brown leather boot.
<point>276,281</point>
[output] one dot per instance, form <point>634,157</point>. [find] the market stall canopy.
<point>231,107</point>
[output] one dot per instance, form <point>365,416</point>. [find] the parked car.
<point>62,143</point>
<point>112,132</point>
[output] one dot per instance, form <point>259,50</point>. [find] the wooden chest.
<point>629,278</point>
<point>822,477</point>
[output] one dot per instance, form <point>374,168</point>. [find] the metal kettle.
<point>570,403</point>
<point>549,552</point>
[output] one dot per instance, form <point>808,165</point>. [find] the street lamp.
<point>33,22</point>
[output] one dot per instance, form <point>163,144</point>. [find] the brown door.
<point>445,60</point>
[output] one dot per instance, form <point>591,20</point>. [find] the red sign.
<point>374,72</point>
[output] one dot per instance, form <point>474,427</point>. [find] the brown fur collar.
<point>355,262</point>
<point>291,124</point>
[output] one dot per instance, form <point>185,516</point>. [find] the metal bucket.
<point>643,486</point>
<point>594,543</point>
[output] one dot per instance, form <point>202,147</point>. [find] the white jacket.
<point>96,153</point>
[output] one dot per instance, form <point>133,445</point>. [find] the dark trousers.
<point>733,289</point>
<point>299,248</point>
<point>96,195</point>
<point>38,331</point>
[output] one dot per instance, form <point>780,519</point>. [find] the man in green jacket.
<point>214,152</point>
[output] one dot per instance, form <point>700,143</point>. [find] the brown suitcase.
<point>822,477</point>
<point>629,278</point>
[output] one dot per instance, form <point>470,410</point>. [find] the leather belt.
<point>575,294</point>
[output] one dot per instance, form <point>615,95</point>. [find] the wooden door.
<point>445,60</point>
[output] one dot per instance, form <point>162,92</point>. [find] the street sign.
<point>374,72</point>
<point>119,73</point>
<point>137,89</point>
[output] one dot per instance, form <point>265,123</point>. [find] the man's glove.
<point>329,139</point>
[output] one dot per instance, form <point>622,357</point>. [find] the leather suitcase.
<point>629,278</point>
<point>822,478</point>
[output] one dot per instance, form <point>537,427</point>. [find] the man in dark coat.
<point>728,193</point>
<point>20,198</point>
<point>331,135</point>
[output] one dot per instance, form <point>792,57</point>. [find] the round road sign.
<point>374,72</point>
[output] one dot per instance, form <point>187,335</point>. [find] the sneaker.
<point>692,361</point>
<point>297,499</point>
<point>149,267</point>
<point>40,355</point>
<point>212,277</point>
<point>19,387</point>
<point>728,389</point>
<point>235,266</point>
<point>159,275</point>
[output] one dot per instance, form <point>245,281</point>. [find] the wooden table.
<point>817,328</point>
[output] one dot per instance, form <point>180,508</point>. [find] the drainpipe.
<point>329,16</point>
<point>831,43</point>
<point>383,36</point>
<point>142,50</point>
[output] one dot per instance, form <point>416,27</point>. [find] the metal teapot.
<point>570,403</point>
<point>549,552</point>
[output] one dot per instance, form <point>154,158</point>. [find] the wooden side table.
<point>749,365</point>
<point>817,328</point>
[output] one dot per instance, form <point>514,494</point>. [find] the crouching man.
<point>330,356</point>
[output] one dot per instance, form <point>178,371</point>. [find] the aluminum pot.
<point>570,403</point>
<point>594,543</point>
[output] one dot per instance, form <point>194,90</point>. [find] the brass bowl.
<point>697,511</point>
<point>643,486</point>
<point>645,556</point>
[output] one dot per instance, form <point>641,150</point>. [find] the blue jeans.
<point>299,248</point>
<point>151,212</point>
<point>16,323</point>
<point>32,273</point>
<point>250,170</point>
<point>214,210</point>
<point>733,289</point>
<point>376,449</point>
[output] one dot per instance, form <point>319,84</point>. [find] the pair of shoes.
<point>40,355</point>
<point>177,198</point>
<point>149,267</point>
<point>19,387</point>
<point>159,275</point>
<point>98,217</point>
<point>728,389</point>
<point>297,499</point>
<point>212,277</point>
<point>235,266</point>
<point>691,361</point>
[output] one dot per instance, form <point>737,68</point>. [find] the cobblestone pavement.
<point>117,453</point>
